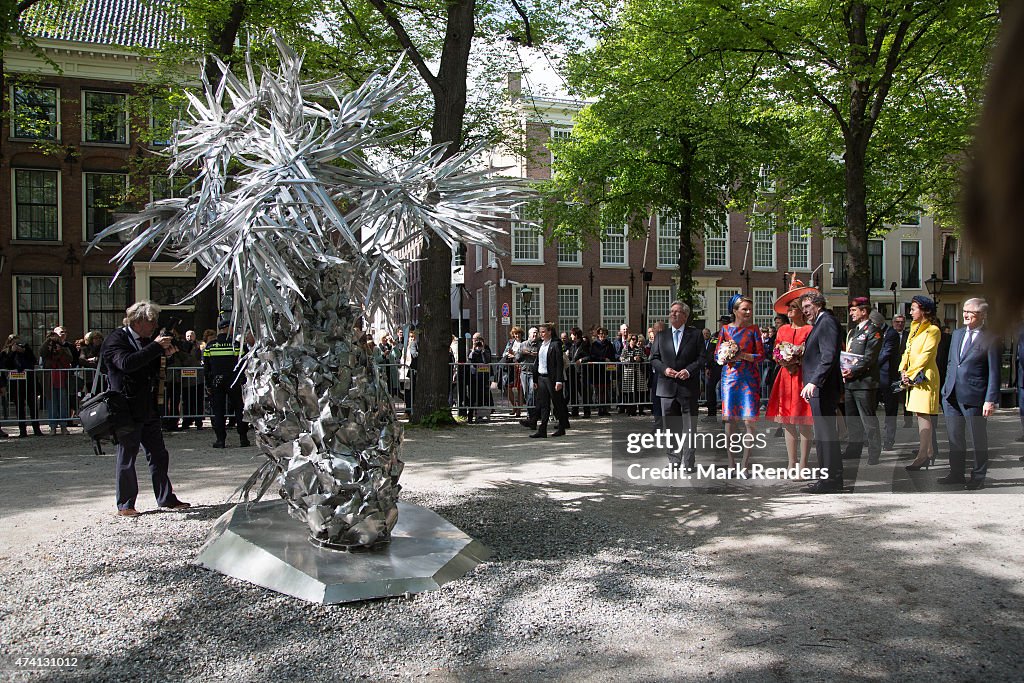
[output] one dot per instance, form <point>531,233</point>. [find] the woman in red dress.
<point>785,404</point>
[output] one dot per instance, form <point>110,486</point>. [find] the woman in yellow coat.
<point>923,397</point>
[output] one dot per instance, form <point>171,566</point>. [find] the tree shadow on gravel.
<point>600,580</point>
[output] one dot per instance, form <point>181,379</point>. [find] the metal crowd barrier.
<point>52,397</point>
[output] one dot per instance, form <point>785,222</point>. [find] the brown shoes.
<point>128,512</point>
<point>180,505</point>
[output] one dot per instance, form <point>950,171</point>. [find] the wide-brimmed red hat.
<point>796,290</point>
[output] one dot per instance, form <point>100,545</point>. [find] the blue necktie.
<point>677,334</point>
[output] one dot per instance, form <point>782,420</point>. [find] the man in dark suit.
<point>549,369</point>
<point>899,323</point>
<point>861,383</point>
<point>888,371</point>
<point>823,382</point>
<point>678,359</point>
<point>970,394</point>
<point>131,359</point>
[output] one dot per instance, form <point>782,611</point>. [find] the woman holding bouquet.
<point>919,371</point>
<point>740,349</point>
<point>785,405</point>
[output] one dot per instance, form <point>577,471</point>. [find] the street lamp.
<point>934,287</point>
<point>826,263</point>
<point>527,294</point>
<point>892,288</point>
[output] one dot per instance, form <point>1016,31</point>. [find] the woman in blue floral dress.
<point>741,376</point>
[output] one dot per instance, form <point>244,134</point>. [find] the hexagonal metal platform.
<point>260,543</point>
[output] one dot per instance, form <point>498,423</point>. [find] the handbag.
<point>106,415</point>
<point>899,386</point>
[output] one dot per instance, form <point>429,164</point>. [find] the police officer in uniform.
<point>223,381</point>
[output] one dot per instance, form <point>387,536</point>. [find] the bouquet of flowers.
<point>727,350</point>
<point>787,352</point>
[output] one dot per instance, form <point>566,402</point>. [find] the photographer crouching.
<point>131,359</point>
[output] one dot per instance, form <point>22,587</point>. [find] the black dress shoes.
<point>540,435</point>
<point>218,444</point>
<point>528,424</point>
<point>689,470</point>
<point>974,484</point>
<point>558,432</point>
<point>244,443</point>
<point>951,479</point>
<point>823,486</point>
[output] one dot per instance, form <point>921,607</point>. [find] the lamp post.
<point>934,287</point>
<point>826,263</point>
<point>527,295</point>
<point>892,288</point>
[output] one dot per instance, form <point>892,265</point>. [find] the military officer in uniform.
<point>860,378</point>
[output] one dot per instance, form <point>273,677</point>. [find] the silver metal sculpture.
<point>297,213</point>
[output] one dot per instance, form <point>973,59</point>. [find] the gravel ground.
<point>590,578</point>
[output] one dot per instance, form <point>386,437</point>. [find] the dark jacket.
<point>973,378</point>
<point>889,357</point>
<point>865,341</point>
<point>555,361</point>
<point>821,357</point>
<point>133,372</point>
<point>579,350</point>
<point>220,363</point>
<point>690,356</point>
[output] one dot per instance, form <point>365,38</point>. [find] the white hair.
<point>142,311</point>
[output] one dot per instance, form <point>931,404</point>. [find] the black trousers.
<point>671,408</point>
<point>549,400</point>
<point>826,437</point>
<point>711,392</point>
<point>148,435</point>
<point>862,424</point>
<point>962,420</point>
<point>219,401</point>
<point>891,405</point>
<point>23,394</point>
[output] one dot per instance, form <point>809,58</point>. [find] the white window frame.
<point>127,119</point>
<point>13,101</point>
<point>653,315</point>
<point>605,318</point>
<point>884,269</point>
<point>668,240</point>
<point>85,195</point>
<point>765,296</point>
<point>577,259</point>
<point>516,233</point>
<point>85,298</point>
<point>536,304</point>
<point>577,320</point>
<point>27,334</point>
<point>492,312</point>
<point>620,233</point>
<point>722,237</point>
<point>766,179</point>
<point>14,207</point>
<point>803,238</point>
<point>763,238</point>
<point>480,311</point>
<point>920,265</point>
<point>559,133</point>
<point>724,294</point>
<point>478,258</point>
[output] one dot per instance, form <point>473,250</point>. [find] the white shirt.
<point>542,363</point>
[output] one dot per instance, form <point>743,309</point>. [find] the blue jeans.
<point>58,407</point>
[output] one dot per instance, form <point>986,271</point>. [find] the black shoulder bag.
<point>105,416</point>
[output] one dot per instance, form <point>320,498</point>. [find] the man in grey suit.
<point>677,357</point>
<point>861,383</point>
<point>970,394</point>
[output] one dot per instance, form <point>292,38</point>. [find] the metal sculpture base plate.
<point>260,543</point>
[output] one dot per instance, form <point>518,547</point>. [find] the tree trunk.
<point>856,221</point>
<point>433,378</point>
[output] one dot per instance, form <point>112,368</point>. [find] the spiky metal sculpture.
<point>298,212</point>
